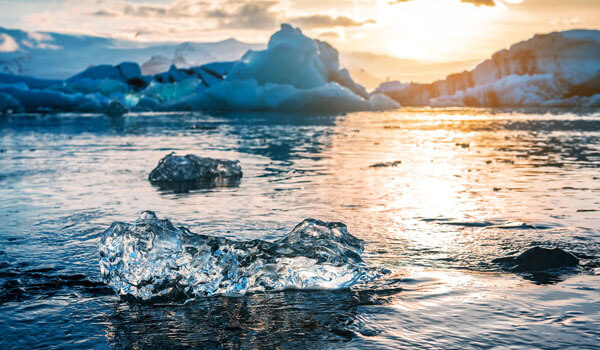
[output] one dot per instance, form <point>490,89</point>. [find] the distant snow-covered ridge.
<point>32,53</point>
<point>294,73</point>
<point>560,69</point>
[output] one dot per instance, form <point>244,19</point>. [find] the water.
<point>471,185</point>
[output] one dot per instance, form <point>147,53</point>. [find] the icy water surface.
<point>434,194</point>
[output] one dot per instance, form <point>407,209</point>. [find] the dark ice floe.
<point>190,171</point>
<point>151,258</point>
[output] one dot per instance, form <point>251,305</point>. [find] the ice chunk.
<point>171,76</point>
<point>290,58</point>
<point>124,72</point>
<point>146,104</point>
<point>104,71</point>
<point>381,102</point>
<point>115,108</point>
<point>106,87</point>
<point>8,103</point>
<point>53,100</point>
<point>32,83</point>
<point>152,259</point>
<point>249,95</point>
<point>219,68</point>
<point>209,78</point>
<point>129,70</point>
<point>171,91</point>
<point>190,171</point>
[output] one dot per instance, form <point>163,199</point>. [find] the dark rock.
<point>539,259</point>
<point>183,173</point>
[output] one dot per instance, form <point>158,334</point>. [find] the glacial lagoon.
<point>434,194</point>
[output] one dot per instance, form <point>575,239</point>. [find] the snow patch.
<point>7,43</point>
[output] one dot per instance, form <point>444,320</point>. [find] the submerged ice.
<point>151,258</point>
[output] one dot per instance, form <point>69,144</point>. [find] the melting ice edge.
<point>151,258</point>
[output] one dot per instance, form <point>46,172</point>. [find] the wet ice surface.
<point>471,186</point>
<point>152,259</point>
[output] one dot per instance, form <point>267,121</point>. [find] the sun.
<point>436,30</point>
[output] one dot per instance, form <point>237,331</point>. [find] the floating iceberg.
<point>560,69</point>
<point>151,258</point>
<point>294,73</point>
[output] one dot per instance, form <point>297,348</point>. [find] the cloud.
<point>480,2</point>
<point>474,2</point>
<point>329,35</point>
<point>224,14</point>
<point>566,22</point>
<point>228,14</point>
<point>321,21</point>
<point>247,14</point>
<point>179,9</point>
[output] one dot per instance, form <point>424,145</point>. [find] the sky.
<point>429,30</point>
